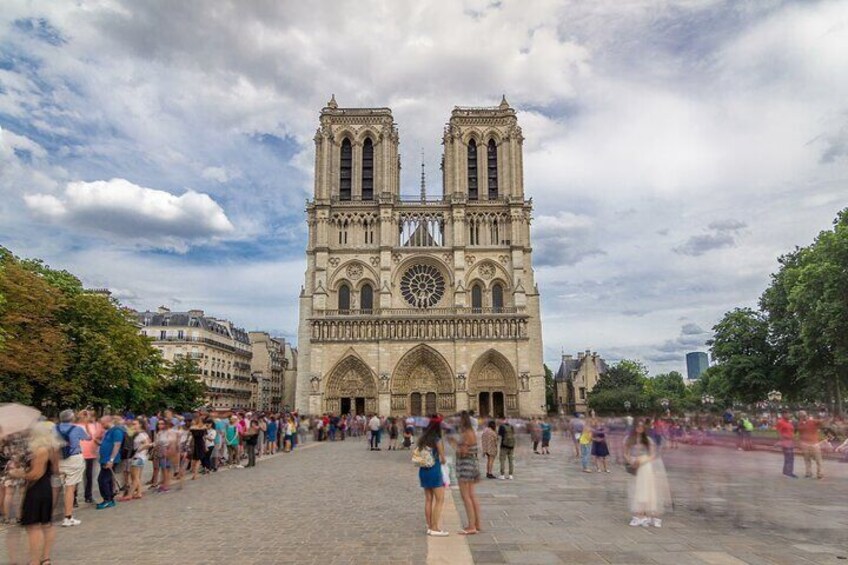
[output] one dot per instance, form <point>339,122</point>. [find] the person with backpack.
<point>507,434</point>
<point>71,462</point>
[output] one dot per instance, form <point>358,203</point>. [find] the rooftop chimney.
<point>163,310</point>
<point>195,313</point>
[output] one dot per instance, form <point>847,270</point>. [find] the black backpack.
<point>127,449</point>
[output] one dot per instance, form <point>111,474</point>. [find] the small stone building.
<point>575,379</point>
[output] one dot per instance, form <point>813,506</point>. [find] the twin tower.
<point>417,305</point>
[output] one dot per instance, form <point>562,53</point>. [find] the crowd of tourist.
<point>53,464</point>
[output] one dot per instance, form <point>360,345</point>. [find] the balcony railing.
<point>204,340</point>
<point>422,312</point>
<point>413,200</point>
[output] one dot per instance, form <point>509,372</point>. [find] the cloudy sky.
<point>673,149</point>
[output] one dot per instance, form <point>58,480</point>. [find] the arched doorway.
<point>422,383</point>
<point>493,386</point>
<point>351,388</point>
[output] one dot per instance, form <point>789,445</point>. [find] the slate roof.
<point>569,365</point>
<point>189,320</point>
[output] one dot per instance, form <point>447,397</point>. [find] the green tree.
<point>814,282</point>
<point>183,388</point>
<point>623,382</point>
<point>744,355</point>
<point>112,363</point>
<point>550,388</point>
<point>35,349</point>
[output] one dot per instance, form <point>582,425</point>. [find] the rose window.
<point>422,286</point>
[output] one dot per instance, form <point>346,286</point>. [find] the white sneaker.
<point>657,523</point>
<point>509,477</point>
<point>69,522</point>
<point>636,521</point>
<point>439,533</point>
<point>501,477</point>
<point>239,466</point>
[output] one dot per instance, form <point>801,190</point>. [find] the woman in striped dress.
<point>468,472</point>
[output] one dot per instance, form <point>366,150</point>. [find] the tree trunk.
<point>838,410</point>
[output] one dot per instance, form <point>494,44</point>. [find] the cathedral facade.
<point>416,305</point>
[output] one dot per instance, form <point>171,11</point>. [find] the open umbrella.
<point>16,418</point>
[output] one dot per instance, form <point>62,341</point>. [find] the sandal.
<point>467,532</point>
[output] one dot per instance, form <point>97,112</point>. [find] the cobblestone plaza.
<point>338,502</point>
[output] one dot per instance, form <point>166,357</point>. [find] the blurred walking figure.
<point>648,490</point>
<point>600,449</point>
<point>547,431</point>
<point>786,431</point>
<point>808,431</point>
<point>585,443</point>
<point>37,506</point>
<point>576,427</point>
<point>507,434</point>
<point>489,439</point>
<point>535,434</point>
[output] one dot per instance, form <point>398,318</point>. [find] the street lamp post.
<point>774,398</point>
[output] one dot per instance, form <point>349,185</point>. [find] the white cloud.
<point>219,174</point>
<point>649,126</point>
<point>120,208</point>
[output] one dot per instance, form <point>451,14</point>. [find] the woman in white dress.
<point>648,491</point>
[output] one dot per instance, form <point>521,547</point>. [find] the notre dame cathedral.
<point>417,305</point>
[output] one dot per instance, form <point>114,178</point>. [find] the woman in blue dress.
<point>431,477</point>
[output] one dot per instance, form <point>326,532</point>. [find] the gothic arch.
<point>488,272</point>
<point>351,378</point>
<point>366,132</point>
<point>493,134</point>
<point>408,372</point>
<point>472,133</point>
<point>341,274</point>
<point>492,371</point>
<point>342,133</point>
<point>422,382</point>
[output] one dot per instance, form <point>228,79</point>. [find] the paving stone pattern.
<point>730,507</point>
<point>340,503</point>
<point>329,503</point>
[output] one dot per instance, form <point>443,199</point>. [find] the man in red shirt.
<point>808,430</point>
<point>786,431</point>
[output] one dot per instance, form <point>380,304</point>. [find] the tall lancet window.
<point>472,170</point>
<point>368,170</point>
<point>345,170</point>
<point>493,169</point>
<point>344,299</point>
<point>476,298</point>
<point>497,297</point>
<point>366,299</point>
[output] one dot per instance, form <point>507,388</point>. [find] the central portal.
<point>422,384</point>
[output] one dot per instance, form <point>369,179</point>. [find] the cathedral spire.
<point>423,182</point>
<point>332,103</point>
